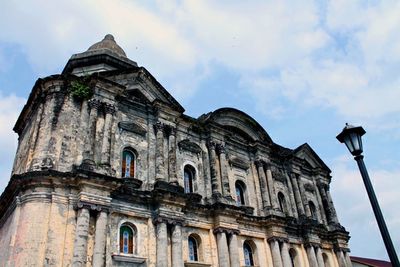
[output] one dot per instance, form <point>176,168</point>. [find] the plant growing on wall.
<point>80,89</point>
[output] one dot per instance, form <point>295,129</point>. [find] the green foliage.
<point>81,90</point>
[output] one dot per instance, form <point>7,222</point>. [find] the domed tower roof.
<point>108,43</point>
<point>105,55</point>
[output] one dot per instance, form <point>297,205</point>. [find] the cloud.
<point>10,106</point>
<point>354,208</point>
<point>344,58</point>
<point>50,37</point>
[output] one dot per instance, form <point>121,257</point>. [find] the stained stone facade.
<point>109,171</point>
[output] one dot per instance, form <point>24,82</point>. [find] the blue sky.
<point>300,68</point>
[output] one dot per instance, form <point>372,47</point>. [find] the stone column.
<point>233,251</point>
<point>176,238</point>
<point>297,195</point>
<point>304,198</point>
<point>325,202</point>
<point>320,259</point>
<point>84,126</point>
<point>287,262</point>
<point>215,182</point>
<point>106,146</point>
<point>43,135</point>
<point>263,184</point>
<point>347,258</point>
<point>291,197</point>
<point>160,172</point>
<point>162,244</point>
<point>226,191</point>
<point>81,235</point>
<point>99,250</point>
<point>223,252</point>
<point>205,161</point>
<point>94,105</point>
<point>271,188</point>
<point>276,254</point>
<point>332,209</point>
<point>312,259</point>
<point>321,216</point>
<point>172,157</point>
<point>340,258</point>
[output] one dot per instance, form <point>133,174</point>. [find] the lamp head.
<point>351,136</point>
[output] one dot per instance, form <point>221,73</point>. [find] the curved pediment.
<point>132,127</point>
<point>239,123</point>
<point>189,146</point>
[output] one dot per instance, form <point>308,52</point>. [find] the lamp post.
<point>351,136</point>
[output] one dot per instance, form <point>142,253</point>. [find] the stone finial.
<point>108,43</point>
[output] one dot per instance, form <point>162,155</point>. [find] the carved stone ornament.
<point>132,127</point>
<point>189,146</point>
<point>309,187</point>
<point>239,163</point>
<point>278,175</point>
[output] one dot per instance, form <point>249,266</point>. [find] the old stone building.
<point>109,171</point>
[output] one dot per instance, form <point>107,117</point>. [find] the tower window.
<point>128,164</point>
<point>193,253</point>
<point>188,178</point>
<point>248,255</point>
<point>240,193</point>
<point>126,239</point>
<point>282,202</point>
<point>313,210</point>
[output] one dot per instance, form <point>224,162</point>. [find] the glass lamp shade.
<point>351,136</point>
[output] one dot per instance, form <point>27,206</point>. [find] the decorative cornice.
<point>168,221</point>
<point>109,108</point>
<point>338,249</point>
<point>211,145</point>
<point>220,149</point>
<point>278,238</point>
<point>92,206</point>
<point>159,126</point>
<point>94,103</point>
<point>226,230</point>
<point>312,244</point>
<point>259,163</point>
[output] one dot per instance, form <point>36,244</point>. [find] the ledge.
<point>196,264</point>
<point>128,258</point>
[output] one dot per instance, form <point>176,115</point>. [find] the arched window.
<point>126,239</point>
<point>128,164</point>
<point>313,210</point>
<point>293,257</point>
<point>239,192</point>
<point>188,178</point>
<point>282,202</point>
<point>193,249</point>
<point>248,254</point>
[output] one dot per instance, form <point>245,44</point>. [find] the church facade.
<point>109,171</point>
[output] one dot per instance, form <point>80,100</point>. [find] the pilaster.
<point>81,237</point>
<point>106,145</point>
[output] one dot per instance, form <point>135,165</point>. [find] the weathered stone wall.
<point>72,214</point>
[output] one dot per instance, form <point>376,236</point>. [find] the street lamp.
<point>351,136</point>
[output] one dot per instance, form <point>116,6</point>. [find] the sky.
<point>302,69</point>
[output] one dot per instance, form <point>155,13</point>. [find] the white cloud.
<point>356,75</point>
<point>355,210</point>
<point>10,106</point>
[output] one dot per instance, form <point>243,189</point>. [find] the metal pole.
<point>377,211</point>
